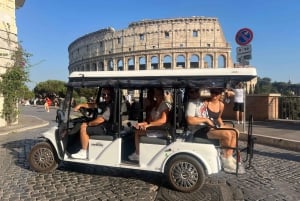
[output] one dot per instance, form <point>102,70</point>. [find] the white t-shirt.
<point>196,108</point>
<point>238,95</point>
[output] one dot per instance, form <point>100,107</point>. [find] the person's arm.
<point>219,120</point>
<point>229,93</point>
<point>84,105</point>
<point>162,120</point>
<point>97,121</point>
<point>192,119</point>
<point>101,118</point>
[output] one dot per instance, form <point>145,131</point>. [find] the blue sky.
<point>46,29</point>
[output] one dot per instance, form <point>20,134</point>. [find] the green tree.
<point>263,86</point>
<point>12,84</point>
<point>27,94</point>
<point>51,87</point>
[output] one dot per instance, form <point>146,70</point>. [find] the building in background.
<point>8,38</point>
<point>175,43</point>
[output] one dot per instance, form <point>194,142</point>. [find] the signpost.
<point>244,52</point>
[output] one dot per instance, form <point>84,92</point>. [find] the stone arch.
<point>131,64</point>
<point>221,61</point>
<point>87,67</point>
<point>194,61</point>
<point>208,61</point>
<point>154,63</point>
<point>101,66</point>
<point>110,65</point>
<point>120,65</point>
<point>142,63</point>
<point>94,67</point>
<point>180,61</point>
<point>167,62</point>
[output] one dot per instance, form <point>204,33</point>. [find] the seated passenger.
<point>197,116</point>
<point>157,117</point>
<point>96,126</point>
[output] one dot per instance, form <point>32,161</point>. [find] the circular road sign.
<point>244,36</point>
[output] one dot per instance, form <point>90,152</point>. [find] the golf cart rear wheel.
<point>42,158</point>
<point>185,173</point>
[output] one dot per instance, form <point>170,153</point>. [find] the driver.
<point>97,125</point>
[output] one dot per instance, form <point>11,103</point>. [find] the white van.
<point>184,162</point>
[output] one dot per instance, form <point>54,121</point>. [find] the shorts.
<point>238,107</point>
<point>96,130</point>
<point>202,132</point>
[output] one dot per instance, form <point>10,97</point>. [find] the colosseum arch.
<point>167,62</point>
<point>154,63</point>
<point>208,61</point>
<point>101,66</point>
<point>180,61</point>
<point>142,63</point>
<point>131,64</point>
<point>120,65</point>
<point>110,65</point>
<point>94,67</point>
<point>221,61</point>
<point>194,61</point>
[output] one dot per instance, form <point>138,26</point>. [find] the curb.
<point>283,143</point>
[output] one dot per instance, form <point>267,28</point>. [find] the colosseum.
<point>193,42</point>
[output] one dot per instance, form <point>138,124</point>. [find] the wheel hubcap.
<point>185,174</point>
<point>43,158</point>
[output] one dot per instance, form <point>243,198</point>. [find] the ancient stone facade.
<point>8,38</point>
<point>194,42</point>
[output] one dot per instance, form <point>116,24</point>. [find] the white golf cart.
<point>185,161</point>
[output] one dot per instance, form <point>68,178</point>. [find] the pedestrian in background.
<point>47,104</point>
<point>238,105</point>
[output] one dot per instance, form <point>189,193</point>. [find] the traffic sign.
<point>244,49</point>
<point>244,36</point>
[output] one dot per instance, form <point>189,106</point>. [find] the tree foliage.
<point>50,87</point>
<point>266,86</point>
<point>12,84</point>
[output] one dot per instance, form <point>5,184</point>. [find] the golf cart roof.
<point>162,78</point>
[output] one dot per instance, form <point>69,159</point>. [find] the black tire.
<point>42,158</point>
<point>185,173</point>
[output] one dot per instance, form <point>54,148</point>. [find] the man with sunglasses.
<point>96,126</point>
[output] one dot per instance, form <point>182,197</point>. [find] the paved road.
<point>275,176</point>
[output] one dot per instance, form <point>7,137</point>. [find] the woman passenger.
<point>158,117</point>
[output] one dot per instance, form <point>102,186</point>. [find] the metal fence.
<point>289,107</point>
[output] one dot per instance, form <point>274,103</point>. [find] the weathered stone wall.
<point>8,38</point>
<point>261,106</point>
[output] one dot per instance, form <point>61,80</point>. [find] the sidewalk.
<point>26,122</point>
<point>277,133</point>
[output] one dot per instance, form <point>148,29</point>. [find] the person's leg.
<point>236,110</point>
<point>225,137</point>
<point>135,155</point>
<point>84,137</point>
<point>137,136</point>
<point>237,116</point>
<point>241,109</point>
